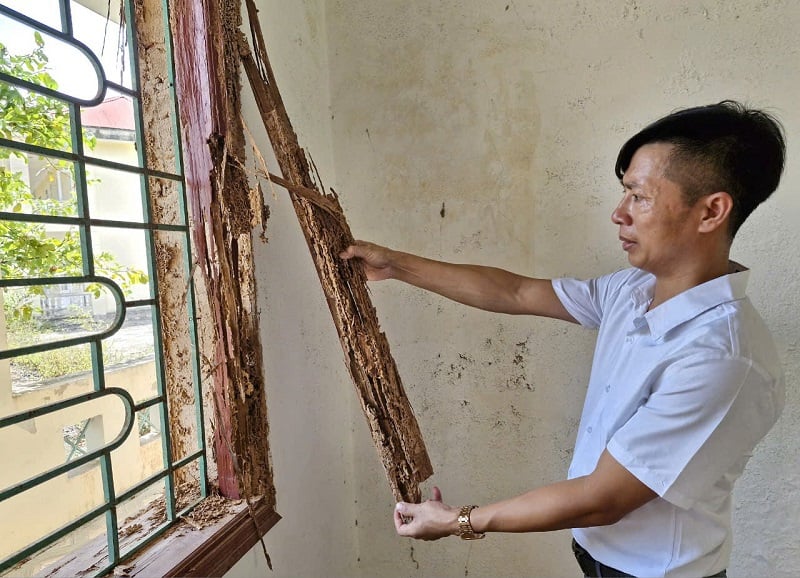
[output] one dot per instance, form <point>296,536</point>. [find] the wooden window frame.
<point>217,189</point>
<point>208,95</point>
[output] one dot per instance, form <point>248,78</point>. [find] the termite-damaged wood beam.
<point>391,420</point>
<point>223,212</point>
<point>170,272</point>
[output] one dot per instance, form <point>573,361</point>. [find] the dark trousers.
<point>595,569</point>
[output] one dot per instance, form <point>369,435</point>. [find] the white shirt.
<point>679,396</point>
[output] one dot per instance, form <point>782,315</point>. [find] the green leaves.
<point>30,250</point>
<point>26,115</point>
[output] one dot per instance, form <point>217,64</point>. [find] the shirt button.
<point>608,388</point>
<point>589,429</point>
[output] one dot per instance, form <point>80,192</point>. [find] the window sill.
<point>187,549</point>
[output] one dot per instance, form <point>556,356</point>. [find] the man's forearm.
<point>599,499</point>
<point>487,288</point>
<point>553,507</point>
<point>483,287</point>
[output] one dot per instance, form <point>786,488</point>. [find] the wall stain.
<point>414,560</point>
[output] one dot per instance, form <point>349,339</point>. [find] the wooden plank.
<point>223,213</point>
<point>391,420</point>
<point>170,272</point>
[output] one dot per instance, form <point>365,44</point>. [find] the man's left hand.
<point>429,520</point>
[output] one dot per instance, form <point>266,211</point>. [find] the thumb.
<point>436,494</point>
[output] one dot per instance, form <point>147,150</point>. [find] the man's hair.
<point>724,147</point>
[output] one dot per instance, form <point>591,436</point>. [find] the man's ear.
<point>716,210</point>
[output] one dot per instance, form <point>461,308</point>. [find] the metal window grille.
<point>78,288</point>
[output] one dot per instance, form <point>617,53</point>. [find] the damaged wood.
<point>223,212</point>
<point>391,420</point>
<point>171,273</point>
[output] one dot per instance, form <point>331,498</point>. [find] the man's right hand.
<point>377,260</point>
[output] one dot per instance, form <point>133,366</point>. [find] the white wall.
<point>509,113</point>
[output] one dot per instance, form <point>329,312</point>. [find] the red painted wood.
<point>198,71</point>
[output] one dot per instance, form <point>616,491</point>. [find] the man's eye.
<point>635,197</point>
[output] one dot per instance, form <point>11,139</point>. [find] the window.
<point>97,321</point>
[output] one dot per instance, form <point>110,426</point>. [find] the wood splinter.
<point>391,420</point>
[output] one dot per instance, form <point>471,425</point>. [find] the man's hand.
<point>429,520</point>
<point>377,260</point>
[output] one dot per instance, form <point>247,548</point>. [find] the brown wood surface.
<point>391,420</point>
<point>205,36</point>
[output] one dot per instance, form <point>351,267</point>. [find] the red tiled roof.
<point>114,112</point>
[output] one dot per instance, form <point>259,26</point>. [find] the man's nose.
<point>621,215</point>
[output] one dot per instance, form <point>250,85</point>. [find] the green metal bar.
<point>77,279</point>
<point>119,319</point>
<point>85,519</point>
<point>139,303</point>
<point>122,89</point>
<point>84,158</point>
<point>81,186</point>
<point>88,222</point>
<point>133,490</point>
<point>148,403</point>
<point>155,535</point>
<point>66,21</point>
<point>166,443</point>
<point>67,38</point>
<point>112,534</point>
<point>58,470</point>
<point>52,537</point>
<point>188,459</point>
<point>98,371</point>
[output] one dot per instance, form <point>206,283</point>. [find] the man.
<point>685,379</point>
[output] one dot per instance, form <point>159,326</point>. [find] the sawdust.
<point>209,511</point>
<point>129,530</point>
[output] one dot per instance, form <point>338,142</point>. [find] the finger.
<point>399,518</point>
<point>356,249</point>
<point>436,494</point>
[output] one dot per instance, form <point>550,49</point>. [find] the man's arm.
<point>483,287</point>
<point>599,499</point>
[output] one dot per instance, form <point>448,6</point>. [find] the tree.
<point>26,249</point>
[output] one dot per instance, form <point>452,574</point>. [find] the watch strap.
<point>465,530</point>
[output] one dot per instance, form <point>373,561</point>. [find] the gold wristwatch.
<point>465,531</point>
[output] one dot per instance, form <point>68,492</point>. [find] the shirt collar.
<point>687,305</point>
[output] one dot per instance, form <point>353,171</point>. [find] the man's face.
<point>656,226</point>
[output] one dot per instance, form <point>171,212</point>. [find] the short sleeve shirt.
<point>679,396</point>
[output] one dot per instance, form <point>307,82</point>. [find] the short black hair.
<point>718,147</point>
